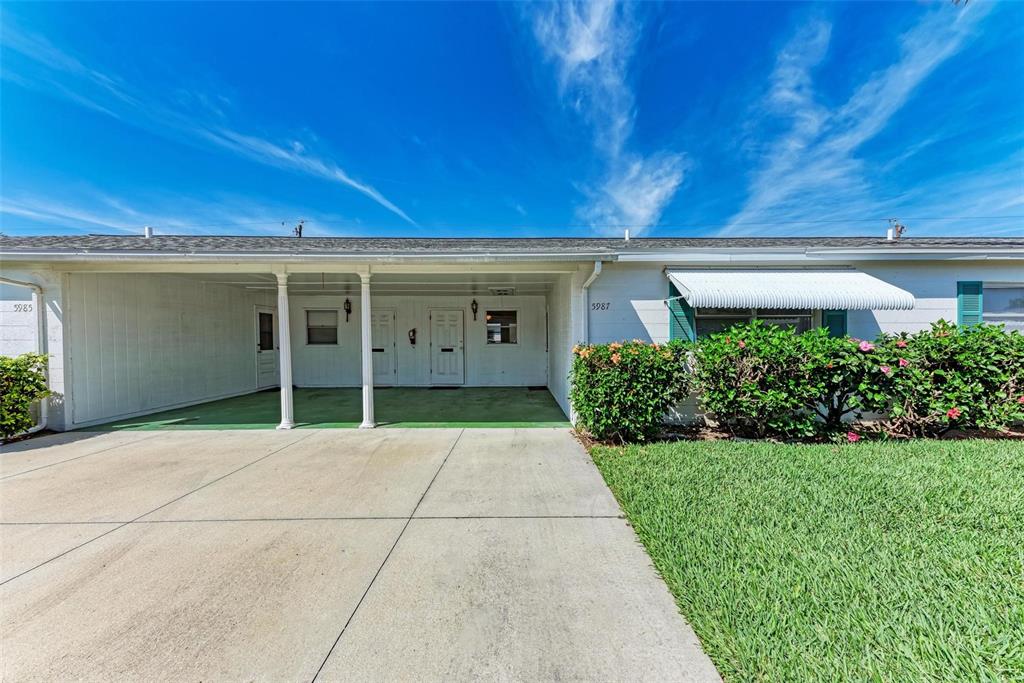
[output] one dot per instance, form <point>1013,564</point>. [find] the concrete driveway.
<point>422,554</point>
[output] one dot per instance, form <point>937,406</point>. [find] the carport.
<point>219,344</point>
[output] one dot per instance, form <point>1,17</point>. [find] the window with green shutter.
<point>968,303</point>
<point>680,316</point>
<point>835,322</point>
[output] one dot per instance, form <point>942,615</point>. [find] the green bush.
<point>22,383</point>
<point>621,392</point>
<point>944,378</point>
<point>758,380</point>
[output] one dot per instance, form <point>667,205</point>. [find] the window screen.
<point>266,331</point>
<point>1004,304</point>
<point>502,327</point>
<point>712,320</point>
<point>321,327</point>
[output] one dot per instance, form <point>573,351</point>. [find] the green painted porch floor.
<point>342,408</point>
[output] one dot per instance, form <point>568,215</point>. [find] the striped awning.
<point>825,289</point>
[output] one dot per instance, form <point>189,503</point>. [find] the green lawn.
<point>888,562</point>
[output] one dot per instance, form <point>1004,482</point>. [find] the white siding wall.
<point>522,364</point>
<point>561,340</point>
<point>146,342</point>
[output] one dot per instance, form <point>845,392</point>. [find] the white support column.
<point>367,347</point>
<point>284,354</point>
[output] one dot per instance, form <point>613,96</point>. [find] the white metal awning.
<point>824,289</point>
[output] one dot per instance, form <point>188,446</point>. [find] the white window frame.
<point>487,342</point>
<point>996,318</point>
<point>337,325</point>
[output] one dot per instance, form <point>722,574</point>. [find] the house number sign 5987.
<point>600,305</point>
<point>22,308</point>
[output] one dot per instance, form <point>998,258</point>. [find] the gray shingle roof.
<point>397,246</point>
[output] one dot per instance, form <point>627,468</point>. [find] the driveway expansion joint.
<point>388,556</point>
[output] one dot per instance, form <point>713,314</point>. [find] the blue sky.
<point>480,119</point>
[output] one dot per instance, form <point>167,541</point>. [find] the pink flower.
<point>741,344</point>
<point>953,413</point>
<point>1020,400</point>
<point>852,437</point>
<point>902,344</point>
<point>904,362</point>
<point>866,346</point>
<point>886,370</point>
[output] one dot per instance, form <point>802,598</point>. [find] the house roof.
<point>584,247</point>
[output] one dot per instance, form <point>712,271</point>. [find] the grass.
<point>343,409</point>
<point>877,561</point>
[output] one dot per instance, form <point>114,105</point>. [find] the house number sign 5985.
<point>22,308</point>
<point>600,305</point>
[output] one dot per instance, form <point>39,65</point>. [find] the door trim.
<point>430,326</point>
<point>394,344</point>
<point>272,310</point>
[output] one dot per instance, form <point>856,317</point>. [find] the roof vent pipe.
<point>147,231</point>
<point>627,234</point>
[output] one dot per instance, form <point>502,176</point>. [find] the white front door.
<point>447,365</point>
<point>382,331</point>
<point>267,374</point>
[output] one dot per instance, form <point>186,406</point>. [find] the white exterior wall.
<point>560,339</point>
<point>142,343</point>
<point>18,320</point>
<point>933,285</point>
<point>53,306</point>
<point>522,364</point>
<point>635,296</point>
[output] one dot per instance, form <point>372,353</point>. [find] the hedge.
<point>761,381</point>
<point>22,383</point>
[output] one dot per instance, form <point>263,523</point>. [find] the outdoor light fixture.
<point>348,309</point>
<point>475,307</point>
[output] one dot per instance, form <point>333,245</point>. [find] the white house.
<point>138,324</point>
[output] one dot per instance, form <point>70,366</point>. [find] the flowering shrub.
<point>754,380</point>
<point>621,392</point>
<point>763,381</point>
<point>947,377</point>
<point>22,383</point>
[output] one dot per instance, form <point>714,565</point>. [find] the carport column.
<point>284,353</point>
<point>367,346</point>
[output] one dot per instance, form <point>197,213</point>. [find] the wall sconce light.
<point>474,307</point>
<point>348,309</point>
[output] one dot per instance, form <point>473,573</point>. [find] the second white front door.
<point>447,355</point>
<point>382,331</point>
<point>266,348</point>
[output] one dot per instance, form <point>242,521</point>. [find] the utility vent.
<point>502,291</point>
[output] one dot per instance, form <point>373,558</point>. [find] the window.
<point>266,331</point>
<point>712,320</point>
<point>321,327</point>
<point>502,327</point>
<point>1004,304</point>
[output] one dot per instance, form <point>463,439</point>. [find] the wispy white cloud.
<point>55,71</point>
<point>87,209</point>
<point>590,45</point>
<point>813,167</point>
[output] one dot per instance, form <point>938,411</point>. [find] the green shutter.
<point>835,322</point>
<point>680,317</point>
<point>968,303</point>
